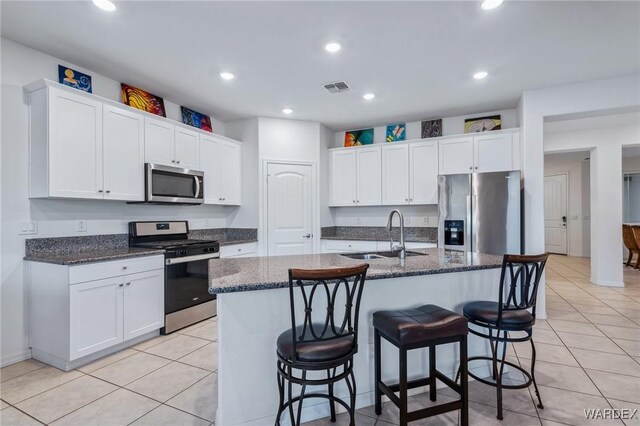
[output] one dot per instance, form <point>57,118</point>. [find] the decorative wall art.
<point>358,137</point>
<point>482,124</point>
<point>196,119</point>
<point>431,128</point>
<point>145,101</point>
<point>72,78</point>
<point>396,132</point>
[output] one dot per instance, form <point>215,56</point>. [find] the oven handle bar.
<point>191,258</point>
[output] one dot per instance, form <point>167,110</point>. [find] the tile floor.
<point>588,356</point>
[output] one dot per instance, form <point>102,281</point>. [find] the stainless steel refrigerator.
<point>480,212</point>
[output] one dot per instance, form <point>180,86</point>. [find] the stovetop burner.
<point>173,237</point>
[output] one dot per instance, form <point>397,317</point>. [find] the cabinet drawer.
<point>100,270</point>
<point>345,246</point>
<point>238,250</point>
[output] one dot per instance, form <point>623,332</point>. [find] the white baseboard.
<point>608,283</point>
<point>15,357</point>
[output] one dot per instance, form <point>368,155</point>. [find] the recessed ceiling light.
<point>368,96</point>
<point>490,4</point>
<point>105,5</point>
<point>287,110</point>
<point>480,75</point>
<point>332,47</point>
<point>227,76</point>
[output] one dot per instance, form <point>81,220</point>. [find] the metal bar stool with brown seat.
<point>426,326</point>
<point>631,239</point>
<point>516,312</point>
<point>326,341</point>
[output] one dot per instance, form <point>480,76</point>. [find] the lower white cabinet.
<point>239,250</point>
<point>347,246</point>
<point>90,309</point>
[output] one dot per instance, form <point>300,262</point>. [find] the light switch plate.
<point>28,228</point>
<point>81,225</point>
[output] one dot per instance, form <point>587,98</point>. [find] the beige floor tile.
<point>624,405</point>
<point>548,353</point>
<point>38,381</point>
<point>568,407</point>
<point>546,336</point>
<point>118,408</point>
<point>342,420</point>
<point>590,309</point>
<point>575,327</point>
<point>617,386</point>
<point>541,325</point>
<point>168,381</point>
<point>626,333</point>
<point>177,347</point>
<point>208,331</point>
<point>60,401</point>
<point>613,363</point>
<point>631,347</point>
<point>563,377</point>
<point>3,404</point>
<point>154,341</point>
<point>200,399</point>
<point>565,316</point>
<point>11,416</point>
<point>109,359</point>
<point>131,368</point>
<point>618,320</point>
<point>594,343</point>
<point>169,416</point>
<point>629,312</point>
<point>206,357</point>
<point>480,414</point>
<point>19,368</point>
<point>187,330</point>
<point>560,306</point>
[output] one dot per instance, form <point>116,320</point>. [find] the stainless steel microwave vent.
<point>337,87</point>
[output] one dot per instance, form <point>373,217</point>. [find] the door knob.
<point>128,284</point>
<point>307,236</point>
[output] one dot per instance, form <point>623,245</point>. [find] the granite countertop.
<point>413,234</point>
<point>91,256</point>
<point>263,273</point>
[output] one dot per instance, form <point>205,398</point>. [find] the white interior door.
<point>289,209</point>
<point>555,213</point>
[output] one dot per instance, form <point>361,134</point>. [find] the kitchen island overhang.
<point>254,308</point>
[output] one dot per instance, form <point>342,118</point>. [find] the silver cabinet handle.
<point>128,284</point>
<point>108,191</point>
<point>178,161</point>
<point>197,186</point>
<point>239,249</point>
<point>120,285</point>
<point>307,236</point>
<point>173,161</point>
<point>124,267</point>
<point>100,190</point>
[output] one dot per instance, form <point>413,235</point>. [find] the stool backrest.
<point>629,237</point>
<point>348,283</point>
<point>519,282</point>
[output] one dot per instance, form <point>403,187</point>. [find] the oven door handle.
<point>191,258</point>
<point>197,186</point>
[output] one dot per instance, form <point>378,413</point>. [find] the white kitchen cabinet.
<point>456,155</point>
<point>481,153</point>
<point>395,174</point>
<point>238,250</point>
<point>492,152</point>
<point>220,159</point>
<point>82,312</point>
<point>346,246</point>
<point>186,150</point>
<point>159,146</point>
<point>123,154</point>
<point>356,176</point>
<point>423,172</point>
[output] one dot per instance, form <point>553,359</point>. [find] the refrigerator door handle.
<point>467,226</point>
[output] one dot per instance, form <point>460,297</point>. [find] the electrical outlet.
<point>81,225</point>
<point>28,228</point>
<point>425,220</point>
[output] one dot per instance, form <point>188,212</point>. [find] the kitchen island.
<point>253,309</point>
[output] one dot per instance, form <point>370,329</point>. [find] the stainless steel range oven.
<point>186,296</point>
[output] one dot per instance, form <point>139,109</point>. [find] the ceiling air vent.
<point>337,87</point>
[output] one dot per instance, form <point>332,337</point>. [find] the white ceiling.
<point>418,57</point>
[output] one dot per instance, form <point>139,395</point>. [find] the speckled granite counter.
<point>79,258</point>
<point>262,273</point>
<point>379,233</point>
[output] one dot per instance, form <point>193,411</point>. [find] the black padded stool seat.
<point>425,327</point>
<point>311,349</point>
<point>415,326</point>
<point>487,312</point>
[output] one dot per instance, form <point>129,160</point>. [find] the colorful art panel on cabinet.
<point>76,79</point>
<point>431,128</point>
<point>140,99</point>
<point>196,119</point>
<point>358,137</point>
<point>396,132</point>
<point>482,124</point>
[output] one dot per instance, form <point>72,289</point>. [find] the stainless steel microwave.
<point>174,185</point>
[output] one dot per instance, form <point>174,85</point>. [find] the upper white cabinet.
<point>484,152</point>
<point>395,174</point>
<point>221,163</point>
<point>187,149</point>
<point>356,176</point>
<point>171,145</point>
<point>423,172</point>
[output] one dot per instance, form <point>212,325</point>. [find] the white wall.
<point>415,216</point>
<point>246,216</point>
<point>450,126</point>
<point>20,66</point>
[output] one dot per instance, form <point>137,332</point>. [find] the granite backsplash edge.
<point>379,233</point>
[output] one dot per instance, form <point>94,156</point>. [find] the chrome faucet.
<point>397,247</point>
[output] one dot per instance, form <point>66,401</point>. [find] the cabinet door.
<point>123,149</point>
<point>187,153</point>
<point>423,173</point>
<point>75,146</point>
<point>159,142</point>
<point>343,177</point>
<point>143,303</point>
<point>456,155</point>
<point>395,176</point>
<point>492,153</point>
<point>369,179</point>
<point>209,164</point>
<point>230,173</point>
<point>96,309</point>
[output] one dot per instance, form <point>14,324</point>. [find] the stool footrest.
<point>447,381</point>
<point>410,385</point>
<point>387,391</point>
<point>434,411</point>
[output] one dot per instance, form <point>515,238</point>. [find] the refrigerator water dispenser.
<point>454,232</point>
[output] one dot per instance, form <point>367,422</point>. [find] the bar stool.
<point>426,326</point>
<point>325,342</point>
<point>520,277</point>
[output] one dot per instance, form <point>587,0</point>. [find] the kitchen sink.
<point>380,254</point>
